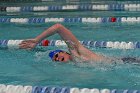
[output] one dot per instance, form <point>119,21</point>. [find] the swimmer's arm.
<point>65,34</point>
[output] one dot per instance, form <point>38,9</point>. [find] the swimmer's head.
<point>59,55</point>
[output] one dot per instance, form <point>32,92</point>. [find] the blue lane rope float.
<point>36,89</point>
<point>14,44</point>
<point>72,20</point>
<point>46,89</point>
<point>91,7</point>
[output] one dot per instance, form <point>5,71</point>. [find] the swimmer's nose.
<point>61,57</point>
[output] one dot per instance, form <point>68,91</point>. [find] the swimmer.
<point>76,49</point>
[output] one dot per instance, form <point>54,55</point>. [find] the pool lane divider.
<point>14,44</point>
<point>48,89</point>
<point>82,7</point>
<point>72,20</point>
<point>67,1</point>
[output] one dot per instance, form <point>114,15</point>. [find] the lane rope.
<point>48,89</point>
<point>91,7</point>
<point>72,20</point>
<point>14,44</point>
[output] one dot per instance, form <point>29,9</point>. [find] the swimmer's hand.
<point>28,44</point>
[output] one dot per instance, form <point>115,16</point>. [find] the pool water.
<point>24,67</point>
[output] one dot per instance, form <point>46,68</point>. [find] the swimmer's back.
<point>130,60</point>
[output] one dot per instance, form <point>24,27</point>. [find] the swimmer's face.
<point>61,57</point>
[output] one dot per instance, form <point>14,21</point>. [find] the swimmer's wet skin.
<point>76,49</point>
